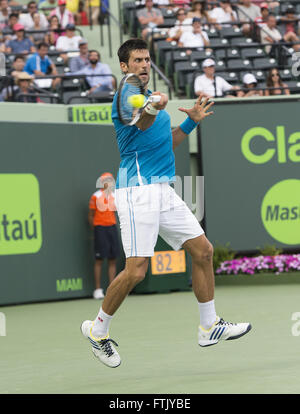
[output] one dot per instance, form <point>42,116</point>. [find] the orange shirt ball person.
<point>102,219</point>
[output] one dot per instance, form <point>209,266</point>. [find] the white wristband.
<point>151,110</point>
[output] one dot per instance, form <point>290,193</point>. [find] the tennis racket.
<point>132,99</point>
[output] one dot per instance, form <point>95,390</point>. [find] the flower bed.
<point>283,263</point>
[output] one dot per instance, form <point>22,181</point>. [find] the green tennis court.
<point>43,350</point>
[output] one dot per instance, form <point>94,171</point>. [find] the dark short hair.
<point>180,10</point>
<point>129,46</point>
<point>271,15</point>
<point>31,2</point>
<point>95,51</point>
<point>19,57</point>
<point>13,15</point>
<point>42,44</point>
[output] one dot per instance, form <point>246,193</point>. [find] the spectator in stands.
<point>24,83</point>
<point>270,34</point>
<point>198,10</point>
<point>81,17</point>
<point>149,18</point>
<point>97,83</point>
<point>38,34</point>
<point>250,85</point>
<point>5,11</point>
<point>70,41</point>
<point>210,85</point>
<point>195,39</point>
<point>2,43</point>
<point>274,81</point>
<point>65,17</point>
<point>26,18</point>
<point>210,4</point>
<point>47,4</point>
<point>223,14</point>
<point>54,31</point>
<point>8,31</point>
<point>39,65</point>
<point>95,9</point>
<point>182,25</point>
<point>290,20</point>
<point>262,19</point>
<point>79,62</point>
<point>21,44</point>
<point>247,12</point>
<point>17,66</point>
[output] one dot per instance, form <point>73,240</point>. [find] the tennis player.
<point>148,206</point>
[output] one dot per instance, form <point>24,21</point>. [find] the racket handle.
<point>154,98</point>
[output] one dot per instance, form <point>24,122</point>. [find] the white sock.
<point>101,324</point>
<point>207,314</point>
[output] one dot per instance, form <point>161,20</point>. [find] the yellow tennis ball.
<point>137,101</point>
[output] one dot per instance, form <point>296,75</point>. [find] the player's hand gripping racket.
<point>132,99</point>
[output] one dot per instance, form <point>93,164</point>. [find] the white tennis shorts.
<point>151,210</point>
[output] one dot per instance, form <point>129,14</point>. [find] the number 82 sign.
<point>168,261</point>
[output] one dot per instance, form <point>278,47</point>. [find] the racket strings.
<point>131,86</point>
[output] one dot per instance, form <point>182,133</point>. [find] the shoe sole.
<point>109,366</point>
<point>231,338</point>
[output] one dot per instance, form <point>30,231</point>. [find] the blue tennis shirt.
<point>146,156</point>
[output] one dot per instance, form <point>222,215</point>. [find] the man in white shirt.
<point>69,43</point>
<point>182,25</point>
<point>26,18</point>
<point>270,34</point>
<point>210,85</point>
<point>197,38</point>
<point>223,14</point>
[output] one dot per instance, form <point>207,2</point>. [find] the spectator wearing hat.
<point>24,83</point>
<point>102,220</point>
<point>249,86</point>
<point>70,41</point>
<point>99,81</point>
<point>65,17</point>
<point>262,19</point>
<point>149,18</point>
<point>275,84</point>
<point>40,65</point>
<point>26,19</point>
<point>79,62</point>
<point>182,24</point>
<point>21,44</point>
<point>197,38</point>
<point>223,14</point>
<point>210,85</point>
<point>270,34</point>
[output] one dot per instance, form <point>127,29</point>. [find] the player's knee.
<point>205,254</point>
<point>135,276</point>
